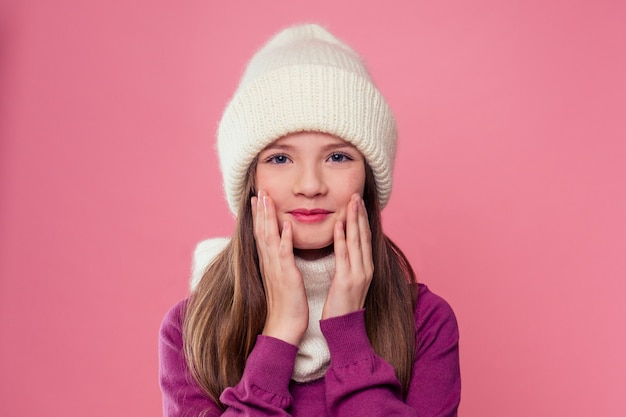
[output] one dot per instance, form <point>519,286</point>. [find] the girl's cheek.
<point>341,215</point>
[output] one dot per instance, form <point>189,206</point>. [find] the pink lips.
<point>309,216</point>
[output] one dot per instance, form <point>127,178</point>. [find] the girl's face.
<point>310,176</point>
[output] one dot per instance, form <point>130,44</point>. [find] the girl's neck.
<point>313,254</point>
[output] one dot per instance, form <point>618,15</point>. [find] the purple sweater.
<point>357,383</point>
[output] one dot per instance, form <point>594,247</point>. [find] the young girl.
<point>309,309</point>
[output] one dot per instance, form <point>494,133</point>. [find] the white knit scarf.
<point>313,356</point>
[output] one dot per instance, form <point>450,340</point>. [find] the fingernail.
<point>264,202</point>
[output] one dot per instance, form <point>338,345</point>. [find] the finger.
<point>256,219</point>
<point>365,234</point>
<point>272,236</point>
<point>253,205</point>
<point>258,226</point>
<point>353,237</point>
<point>285,251</point>
<point>341,249</point>
<point>254,202</point>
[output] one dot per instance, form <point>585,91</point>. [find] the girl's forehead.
<point>312,139</point>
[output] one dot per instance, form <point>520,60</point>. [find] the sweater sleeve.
<point>262,391</point>
<point>182,396</point>
<point>435,388</point>
<point>359,382</point>
<point>264,387</point>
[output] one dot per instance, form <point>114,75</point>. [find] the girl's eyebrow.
<point>278,146</point>
<point>338,145</point>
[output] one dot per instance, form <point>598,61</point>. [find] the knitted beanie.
<point>304,79</point>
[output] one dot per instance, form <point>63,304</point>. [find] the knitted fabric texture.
<point>304,79</point>
<point>313,355</point>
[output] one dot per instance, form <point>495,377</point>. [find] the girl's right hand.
<point>287,308</point>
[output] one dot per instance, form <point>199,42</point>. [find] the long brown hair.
<point>227,310</point>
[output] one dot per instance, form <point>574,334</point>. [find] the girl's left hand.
<point>354,267</point>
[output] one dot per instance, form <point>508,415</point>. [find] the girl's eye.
<point>339,157</point>
<point>278,159</point>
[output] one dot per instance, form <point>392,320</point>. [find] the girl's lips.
<point>310,216</point>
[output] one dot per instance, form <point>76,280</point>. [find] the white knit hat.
<point>304,79</point>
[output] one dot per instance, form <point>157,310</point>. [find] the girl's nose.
<point>310,182</point>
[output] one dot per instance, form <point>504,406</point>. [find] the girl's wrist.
<point>284,333</point>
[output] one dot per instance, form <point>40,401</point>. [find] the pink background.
<point>510,192</point>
